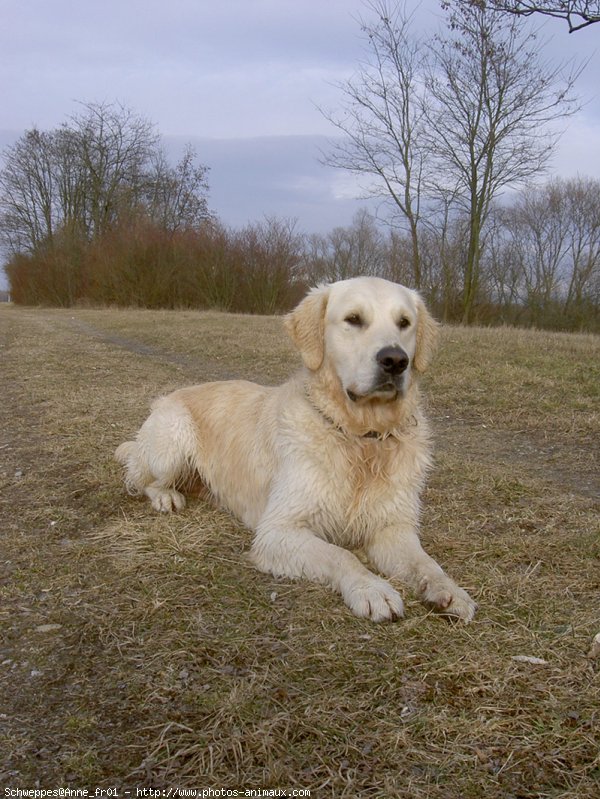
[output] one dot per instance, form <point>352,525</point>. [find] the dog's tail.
<point>124,451</point>
<point>137,471</point>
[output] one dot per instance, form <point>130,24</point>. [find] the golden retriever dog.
<point>331,461</point>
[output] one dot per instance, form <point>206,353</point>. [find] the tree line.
<point>541,265</point>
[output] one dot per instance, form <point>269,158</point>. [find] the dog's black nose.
<point>393,360</point>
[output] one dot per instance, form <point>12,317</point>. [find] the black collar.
<point>375,434</point>
<point>369,434</point>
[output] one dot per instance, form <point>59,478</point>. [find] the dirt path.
<point>191,363</point>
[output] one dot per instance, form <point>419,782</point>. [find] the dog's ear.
<point>427,337</point>
<point>306,327</point>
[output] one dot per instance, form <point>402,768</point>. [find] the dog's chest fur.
<point>354,486</point>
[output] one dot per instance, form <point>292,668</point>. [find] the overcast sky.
<point>242,79</point>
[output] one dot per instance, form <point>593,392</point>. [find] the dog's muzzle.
<point>392,363</point>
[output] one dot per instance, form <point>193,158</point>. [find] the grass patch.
<point>139,650</point>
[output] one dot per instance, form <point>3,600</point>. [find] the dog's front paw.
<point>373,599</point>
<point>445,597</point>
<point>166,500</point>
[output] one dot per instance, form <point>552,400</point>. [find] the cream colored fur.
<point>328,462</point>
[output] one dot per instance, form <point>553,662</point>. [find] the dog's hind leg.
<point>159,460</point>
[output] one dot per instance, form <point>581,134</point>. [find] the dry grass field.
<point>143,650</point>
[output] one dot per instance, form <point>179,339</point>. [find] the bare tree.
<point>176,196</point>
<point>503,266</point>
<point>582,210</point>
<point>578,14</point>
<point>115,146</point>
<point>491,102</point>
<point>27,190</point>
<point>382,119</point>
<point>540,233</point>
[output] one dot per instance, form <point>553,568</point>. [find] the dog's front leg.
<point>397,552</point>
<point>291,550</point>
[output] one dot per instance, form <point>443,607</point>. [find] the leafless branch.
<point>577,13</point>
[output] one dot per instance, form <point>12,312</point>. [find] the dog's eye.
<point>403,322</point>
<point>354,319</point>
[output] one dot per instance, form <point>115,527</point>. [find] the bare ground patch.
<point>139,650</point>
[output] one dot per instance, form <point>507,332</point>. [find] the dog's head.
<point>372,333</point>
